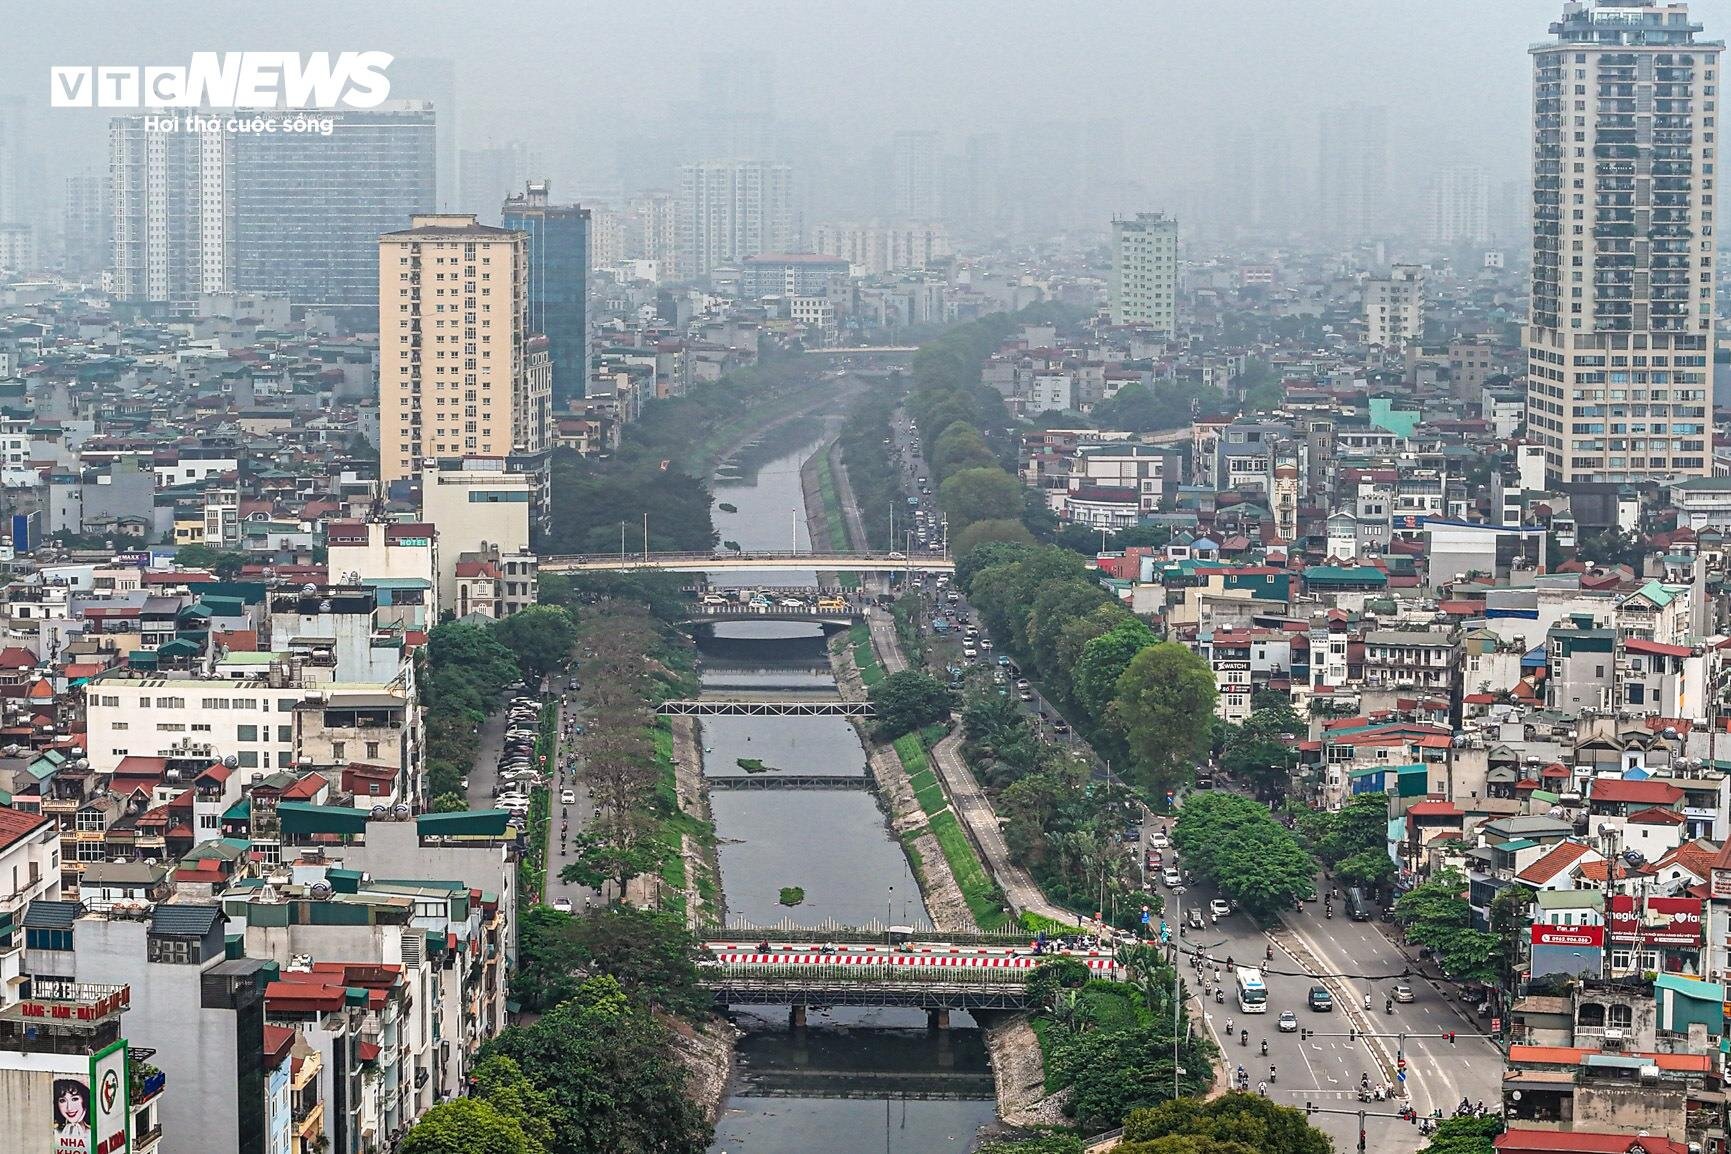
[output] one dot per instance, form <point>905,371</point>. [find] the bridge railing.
<point>818,973</point>
<point>875,932</point>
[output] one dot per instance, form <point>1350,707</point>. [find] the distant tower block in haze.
<point>1144,288</point>
<point>558,282</point>
<point>1394,307</point>
<point>1619,336</point>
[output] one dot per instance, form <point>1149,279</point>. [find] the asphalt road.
<point>1350,959</point>
<point>573,816</point>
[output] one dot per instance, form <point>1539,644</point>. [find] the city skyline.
<point>1175,126</point>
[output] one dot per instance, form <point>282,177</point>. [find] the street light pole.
<point>1177,982</point>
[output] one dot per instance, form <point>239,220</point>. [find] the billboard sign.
<point>1573,937</point>
<point>111,1101</point>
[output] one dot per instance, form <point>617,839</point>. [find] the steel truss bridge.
<point>746,708</point>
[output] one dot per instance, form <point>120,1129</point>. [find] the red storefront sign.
<point>1667,921</point>
<point>1571,937</point>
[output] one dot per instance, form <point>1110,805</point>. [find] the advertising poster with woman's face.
<point>71,1116</point>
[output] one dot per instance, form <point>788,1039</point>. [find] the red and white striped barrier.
<point>1095,963</point>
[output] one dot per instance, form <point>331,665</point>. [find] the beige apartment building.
<point>460,373</point>
<point>1619,356</point>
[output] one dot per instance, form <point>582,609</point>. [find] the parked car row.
<point>518,773</point>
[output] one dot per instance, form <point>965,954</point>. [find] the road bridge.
<point>841,618</point>
<point>762,560</point>
<point>931,975</point>
<point>832,984</point>
<point>772,779</point>
<point>709,707</point>
<point>844,351</point>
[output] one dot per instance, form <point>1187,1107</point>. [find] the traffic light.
<point>1449,1037</point>
<point>1310,1108</point>
<point>1352,1033</point>
<point>1304,1033</point>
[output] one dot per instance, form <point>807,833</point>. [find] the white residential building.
<point>1394,307</point>
<point>1144,285</point>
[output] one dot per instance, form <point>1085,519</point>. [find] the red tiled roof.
<point>16,825</point>
<point>1553,863</point>
<point>306,787</point>
<point>1640,645</point>
<point>17,657</point>
<point>1582,1142</point>
<point>1649,791</point>
<point>1695,856</point>
<point>1434,808</point>
<point>1657,816</point>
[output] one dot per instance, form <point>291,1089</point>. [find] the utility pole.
<point>646,536</point>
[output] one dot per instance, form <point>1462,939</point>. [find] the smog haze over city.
<point>777,576</point>
<point>1163,99</point>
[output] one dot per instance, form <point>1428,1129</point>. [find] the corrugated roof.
<point>42,914</point>
<point>184,919</point>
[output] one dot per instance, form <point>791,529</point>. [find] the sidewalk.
<point>968,800</point>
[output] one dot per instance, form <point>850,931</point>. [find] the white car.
<point>1159,840</point>
<point>568,797</point>
<point>1219,909</point>
<point>1172,879</point>
<point>563,905</point>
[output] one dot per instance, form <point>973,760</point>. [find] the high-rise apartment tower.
<point>1144,286</point>
<point>460,371</point>
<point>1619,336</point>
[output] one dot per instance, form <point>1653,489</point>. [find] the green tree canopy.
<point>909,700</point>
<point>1436,914</point>
<point>1465,1136</point>
<point>539,637</point>
<point>609,1069</point>
<point>997,530</point>
<point>467,1126</point>
<point>1248,1119</point>
<point>1103,661</point>
<point>1164,704</point>
<point>980,494</point>
<point>1233,841</point>
<point>960,447</point>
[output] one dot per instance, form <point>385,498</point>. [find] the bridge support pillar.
<point>796,1017</point>
<point>937,1019</point>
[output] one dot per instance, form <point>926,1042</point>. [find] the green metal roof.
<point>304,818</point>
<point>465,823</point>
<point>1690,987</point>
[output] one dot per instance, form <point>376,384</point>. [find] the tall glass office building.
<point>558,282</point>
<point>309,209</point>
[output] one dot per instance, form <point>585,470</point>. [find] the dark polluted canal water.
<point>853,1081</point>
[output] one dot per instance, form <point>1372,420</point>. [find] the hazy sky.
<point>1453,73</point>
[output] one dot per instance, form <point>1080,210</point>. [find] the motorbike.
<point>1265,1047</point>
<point>1244,1037</point>
<point>1328,911</point>
<point>1271,1076</point>
<point>1219,996</point>
<point>1388,1006</point>
<point>1367,1001</point>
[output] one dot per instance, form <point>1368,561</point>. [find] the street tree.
<point>1164,703</point>
<point>909,700</point>
<point>1002,530</point>
<point>609,1068</point>
<point>539,637</point>
<point>1247,1119</point>
<point>467,1126</point>
<point>1095,675</point>
<point>979,493</point>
